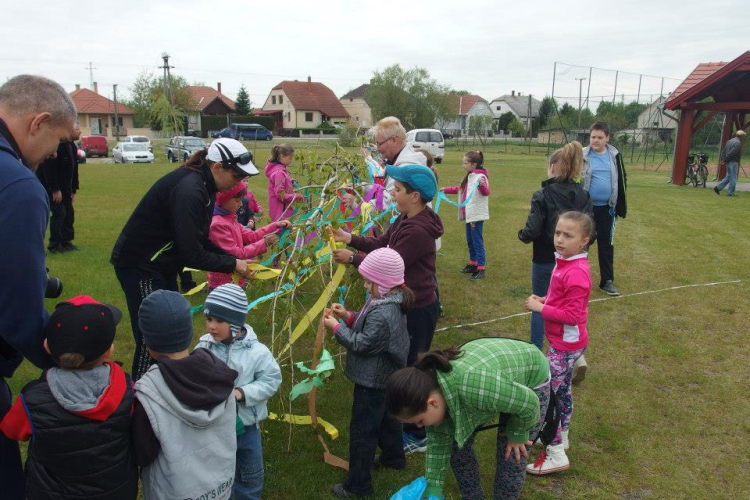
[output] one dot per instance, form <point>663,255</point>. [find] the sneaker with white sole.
<point>414,445</point>
<point>579,370</point>
<point>552,460</point>
<point>609,288</point>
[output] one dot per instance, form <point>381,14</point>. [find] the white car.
<point>142,139</point>
<point>132,152</point>
<point>428,139</point>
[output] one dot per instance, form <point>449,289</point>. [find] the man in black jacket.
<point>59,176</point>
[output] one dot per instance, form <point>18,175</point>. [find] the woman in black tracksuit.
<point>168,230</point>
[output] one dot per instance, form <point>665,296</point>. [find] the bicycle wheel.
<point>694,177</point>
<point>703,174</point>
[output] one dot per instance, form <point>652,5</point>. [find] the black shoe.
<point>339,491</point>
<point>69,247</point>
<point>378,464</point>
<point>716,190</point>
<point>469,269</point>
<point>609,288</point>
<point>478,275</point>
<point>186,286</point>
<point>56,249</point>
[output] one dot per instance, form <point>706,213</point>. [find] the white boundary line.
<point>697,285</point>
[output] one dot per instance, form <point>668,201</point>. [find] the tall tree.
<point>546,110</point>
<point>146,100</point>
<point>411,95</point>
<point>242,104</point>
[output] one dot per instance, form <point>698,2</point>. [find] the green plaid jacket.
<point>493,376</point>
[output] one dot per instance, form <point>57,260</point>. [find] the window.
<point>356,118</point>
<point>273,99</point>
<point>281,99</point>
<point>436,137</point>
<point>193,118</point>
<point>119,120</point>
<point>422,137</point>
<point>498,107</point>
<point>289,116</point>
<point>308,117</point>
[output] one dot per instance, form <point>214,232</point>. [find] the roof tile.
<point>203,96</point>
<point>89,102</point>
<point>313,96</point>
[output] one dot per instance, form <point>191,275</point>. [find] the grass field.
<point>663,412</point>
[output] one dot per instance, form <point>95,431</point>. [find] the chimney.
<point>513,93</point>
<point>96,87</point>
<point>218,87</point>
<point>309,80</point>
<point>78,86</point>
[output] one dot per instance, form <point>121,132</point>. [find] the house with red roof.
<point>96,113</point>
<point>296,104</point>
<point>464,106</point>
<point>208,101</point>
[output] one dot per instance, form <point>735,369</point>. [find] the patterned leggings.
<point>509,475</point>
<point>561,369</point>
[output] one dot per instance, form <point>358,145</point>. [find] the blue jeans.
<point>731,178</point>
<point>248,477</point>
<point>371,426</point>
<point>475,242</point>
<point>540,278</point>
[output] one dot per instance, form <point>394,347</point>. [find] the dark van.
<point>94,145</point>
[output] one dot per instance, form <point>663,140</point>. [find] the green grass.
<point>663,412</point>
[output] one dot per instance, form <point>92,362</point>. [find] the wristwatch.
<point>351,258</point>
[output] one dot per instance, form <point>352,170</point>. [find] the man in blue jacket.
<point>36,114</point>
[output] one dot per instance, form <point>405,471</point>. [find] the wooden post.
<point>682,148</point>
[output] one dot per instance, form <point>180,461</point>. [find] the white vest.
<point>478,208</point>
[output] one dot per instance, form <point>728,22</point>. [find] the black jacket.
<point>168,230</point>
<point>61,173</point>
<point>77,456</point>
<point>546,204</point>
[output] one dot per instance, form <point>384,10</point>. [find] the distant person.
<point>36,115</point>
<point>169,230</point>
<point>604,178</point>
<point>559,193</point>
<point>233,341</point>
<point>281,195</point>
<point>477,210</point>
<point>78,415</point>
<point>59,176</point>
<point>250,212</point>
<point>565,310</point>
<point>185,416</point>
<point>731,156</point>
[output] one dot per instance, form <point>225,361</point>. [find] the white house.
<point>517,104</point>
<point>465,106</point>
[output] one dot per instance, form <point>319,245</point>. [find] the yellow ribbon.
<point>262,272</point>
<point>305,420</point>
<point>196,289</point>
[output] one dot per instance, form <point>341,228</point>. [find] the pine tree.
<point>242,104</point>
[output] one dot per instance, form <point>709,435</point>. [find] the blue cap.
<point>419,177</point>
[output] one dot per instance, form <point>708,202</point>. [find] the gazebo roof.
<point>725,82</point>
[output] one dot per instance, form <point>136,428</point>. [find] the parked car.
<point>140,139</point>
<point>94,145</point>
<point>429,139</point>
<point>246,131</point>
<point>180,148</point>
<point>132,152</point>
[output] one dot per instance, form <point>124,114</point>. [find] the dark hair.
<point>475,157</point>
<point>407,390</point>
<point>241,193</point>
<point>280,150</point>
<point>409,299</point>
<point>197,161</point>
<point>75,361</point>
<point>410,190</point>
<point>602,126</point>
<point>583,219</point>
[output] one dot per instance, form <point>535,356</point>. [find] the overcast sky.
<point>480,46</point>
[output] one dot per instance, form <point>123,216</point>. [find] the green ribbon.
<point>319,374</point>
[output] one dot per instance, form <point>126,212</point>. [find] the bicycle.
<point>702,169</point>
<point>696,172</point>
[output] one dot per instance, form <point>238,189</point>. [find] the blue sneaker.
<point>412,444</point>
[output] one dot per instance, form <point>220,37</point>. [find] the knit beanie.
<point>385,268</point>
<point>165,321</point>
<point>227,303</point>
<point>224,196</point>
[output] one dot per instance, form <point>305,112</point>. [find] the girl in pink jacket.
<point>564,310</point>
<point>281,195</point>
<point>233,237</point>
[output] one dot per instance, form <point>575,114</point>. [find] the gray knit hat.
<point>165,321</point>
<point>227,303</point>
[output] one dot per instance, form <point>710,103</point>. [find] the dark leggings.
<point>509,475</point>
<point>137,285</point>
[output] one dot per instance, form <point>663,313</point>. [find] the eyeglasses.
<point>380,144</point>
<point>238,176</point>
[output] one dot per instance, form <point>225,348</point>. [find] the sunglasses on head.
<point>229,160</point>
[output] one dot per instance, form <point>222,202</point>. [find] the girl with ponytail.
<point>281,195</point>
<point>561,192</point>
<point>456,391</point>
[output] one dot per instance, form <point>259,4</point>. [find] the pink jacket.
<point>253,204</point>
<point>281,194</point>
<point>567,305</point>
<point>238,240</point>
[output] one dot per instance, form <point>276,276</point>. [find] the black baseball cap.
<point>82,325</point>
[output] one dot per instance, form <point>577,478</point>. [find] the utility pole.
<point>580,95</point>
<point>528,120</point>
<point>168,87</point>
<point>117,117</point>
<point>91,69</point>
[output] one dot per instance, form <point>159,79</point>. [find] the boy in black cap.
<point>185,415</point>
<point>78,415</point>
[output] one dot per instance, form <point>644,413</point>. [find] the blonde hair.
<point>280,150</point>
<point>388,127</point>
<point>569,161</point>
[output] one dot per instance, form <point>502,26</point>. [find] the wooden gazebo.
<point>727,84</point>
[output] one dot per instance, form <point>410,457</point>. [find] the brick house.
<point>296,104</point>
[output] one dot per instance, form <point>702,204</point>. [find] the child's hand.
<point>473,225</point>
<point>339,310</point>
<point>341,235</point>
<point>238,395</point>
<point>330,322</point>
<point>515,450</point>
<point>482,181</point>
<point>285,224</point>
<point>270,239</point>
<point>342,255</point>
<point>533,304</point>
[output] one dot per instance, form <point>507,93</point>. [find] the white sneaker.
<point>579,370</point>
<point>552,460</point>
